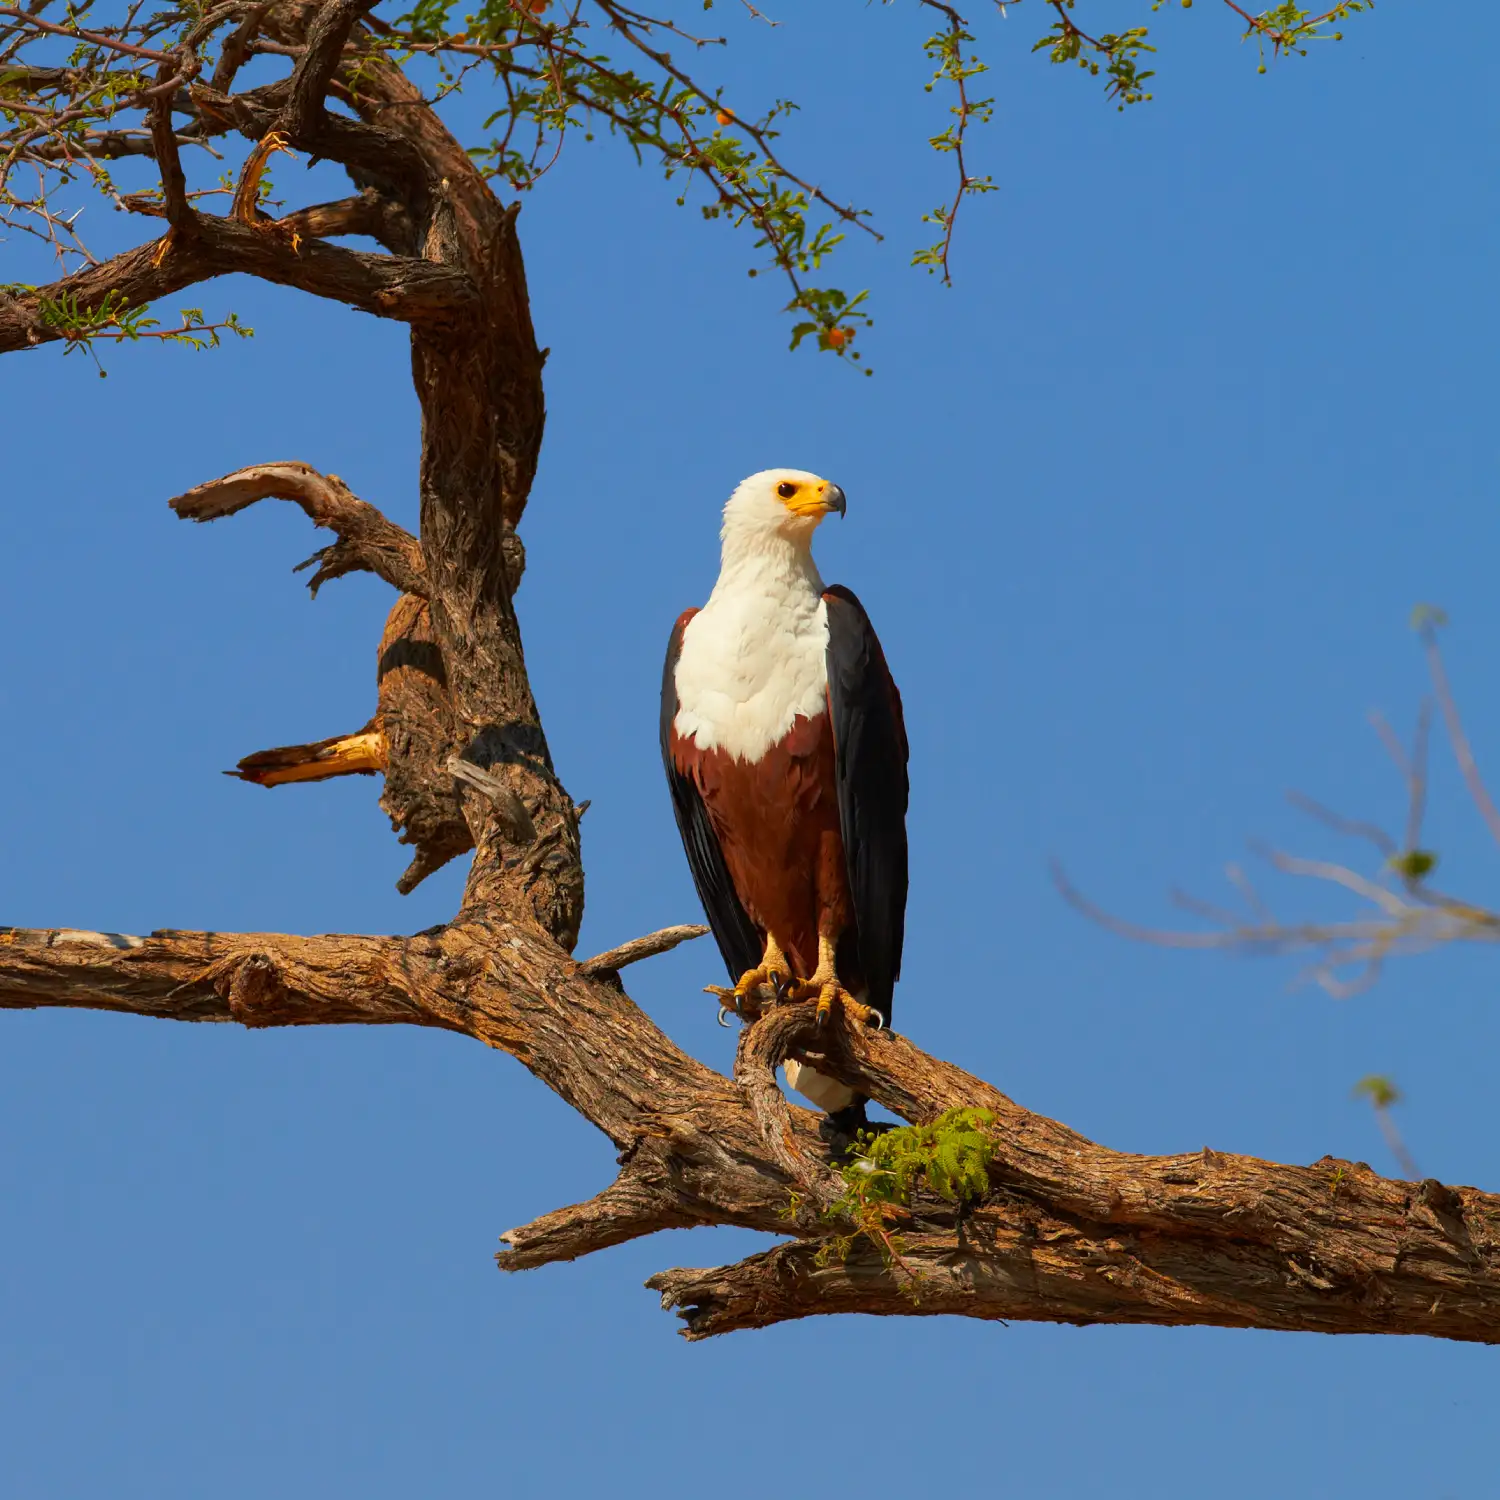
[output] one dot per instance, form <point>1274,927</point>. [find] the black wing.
<point>869,737</point>
<point>735,933</point>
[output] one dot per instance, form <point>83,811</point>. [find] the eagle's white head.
<point>778,506</point>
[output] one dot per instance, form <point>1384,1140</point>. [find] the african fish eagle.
<point>785,752</point>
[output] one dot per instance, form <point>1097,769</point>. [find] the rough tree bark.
<point>1069,1231</point>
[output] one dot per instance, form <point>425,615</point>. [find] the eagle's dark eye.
<point>786,489</point>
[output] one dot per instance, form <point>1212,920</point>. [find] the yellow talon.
<point>826,996</point>
<point>858,1012</point>
<point>824,987</point>
<point>772,972</point>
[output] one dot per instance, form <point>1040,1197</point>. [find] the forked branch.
<point>1069,1230</point>
<point>367,541</point>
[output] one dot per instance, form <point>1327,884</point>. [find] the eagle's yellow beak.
<point>816,499</point>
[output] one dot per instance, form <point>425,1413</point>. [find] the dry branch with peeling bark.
<point>1068,1231</point>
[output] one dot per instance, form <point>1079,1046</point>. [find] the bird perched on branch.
<point>785,752</point>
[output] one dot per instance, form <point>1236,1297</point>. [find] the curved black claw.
<point>728,1001</point>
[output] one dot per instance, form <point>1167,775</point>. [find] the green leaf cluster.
<point>1379,1090</point>
<point>1116,54</point>
<point>551,68</point>
<point>1289,28</point>
<point>950,1157</point>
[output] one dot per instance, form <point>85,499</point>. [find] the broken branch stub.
<point>367,541</point>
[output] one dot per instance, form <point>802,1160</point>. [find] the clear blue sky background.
<point>1140,509</point>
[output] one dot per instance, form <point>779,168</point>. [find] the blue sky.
<point>1140,508</point>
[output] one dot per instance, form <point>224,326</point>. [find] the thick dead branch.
<point>329,30</point>
<point>196,976</point>
<point>410,740</point>
<point>372,144</point>
<point>369,213</point>
<point>245,208</point>
<point>628,1209</point>
<point>763,1047</point>
<point>367,541</point>
<point>1070,1231</point>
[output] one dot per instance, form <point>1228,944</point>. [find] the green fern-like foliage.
<point>949,1157</point>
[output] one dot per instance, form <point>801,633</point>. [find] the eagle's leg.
<point>773,971</point>
<point>824,987</point>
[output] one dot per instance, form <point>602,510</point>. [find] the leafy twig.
<point>947,49</point>
<point>1383,1094</point>
<point>114,320</point>
<point>1408,913</point>
<point>949,1158</point>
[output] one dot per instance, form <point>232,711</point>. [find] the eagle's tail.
<point>358,754</point>
<point>828,1094</point>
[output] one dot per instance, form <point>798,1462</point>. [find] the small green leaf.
<point>1414,864</point>
<point>1379,1090</point>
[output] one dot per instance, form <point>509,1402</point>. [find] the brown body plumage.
<point>777,823</point>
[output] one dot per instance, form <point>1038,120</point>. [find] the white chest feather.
<point>753,659</point>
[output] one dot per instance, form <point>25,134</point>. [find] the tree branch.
<point>1069,1231</point>
<point>77,34</point>
<point>330,29</point>
<point>360,754</point>
<point>236,49</point>
<point>1416,1268</point>
<point>626,1210</point>
<point>612,960</point>
<point>407,290</point>
<point>763,1047</point>
<point>258,979</point>
<point>179,208</point>
<point>369,213</point>
<point>367,541</point>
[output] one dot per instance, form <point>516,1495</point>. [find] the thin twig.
<point>93,38</point>
<point>642,947</point>
<point>1336,874</point>
<point>1351,827</point>
<point>1456,736</point>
